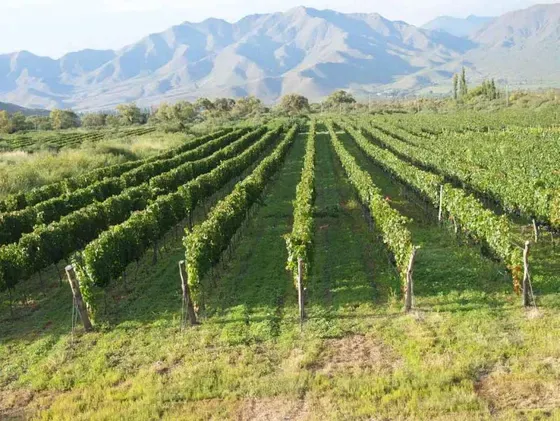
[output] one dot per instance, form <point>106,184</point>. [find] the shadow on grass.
<point>350,265</point>
<point>36,308</point>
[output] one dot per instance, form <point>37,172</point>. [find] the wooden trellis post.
<point>526,276</point>
<point>536,231</point>
<point>301,292</point>
<point>155,257</point>
<point>409,282</point>
<point>78,300</point>
<point>440,213</point>
<point>187,301</point>
<point>456,226</point>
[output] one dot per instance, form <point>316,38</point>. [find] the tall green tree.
<point>294,104</point>
<point>130,114</point>
<point>203,104</point>
<point>339,97</point>
<point>247,107</point>
<point>224,105</point>
<point>19,122</point>
<point>183,113</point>
<point>175,117</point>
<point>92,120</point>
<point>39,122</point>
<point>455,86</point>
<point>493,89</point>
<point>5,122</point>
<point>463,88</point>
<point>64,119</point>
<point>113,120</point>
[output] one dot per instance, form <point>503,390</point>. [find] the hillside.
<point>522,46</point>
<point>13,108</point>
<point>457,26</point>
<point>309,51</point>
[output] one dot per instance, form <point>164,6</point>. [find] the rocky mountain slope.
<point>457,26</point>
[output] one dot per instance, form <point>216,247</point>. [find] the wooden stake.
<point>58,273</point>
<point>41,280</point>
<point>154,259</point>
<point>526,276</point>
<point>187,301</point>
<point>11,303</point>
<point>536,231</point>
<point>75,285</point>
<point>440,214</point>
<point>456,226</point>
<point>124,280</point>
<point>301,298</point>
<point>409,282</point>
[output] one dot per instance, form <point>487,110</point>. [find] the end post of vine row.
<point>78,299</point>
<point>188,306</point>
<point>409,282</point>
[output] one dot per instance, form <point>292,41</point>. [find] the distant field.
<point>64,139</point>
<point>35,159</point>
<point>368,204</point>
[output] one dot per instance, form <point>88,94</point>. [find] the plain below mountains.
<point>308,51</point>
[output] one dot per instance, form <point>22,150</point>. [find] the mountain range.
<point>459,27</point>
<point>13,108</point>
<point>304,50</point>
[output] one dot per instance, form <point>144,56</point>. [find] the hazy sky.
<point>55,27</point>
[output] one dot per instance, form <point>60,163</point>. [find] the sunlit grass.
<point>21,170</point>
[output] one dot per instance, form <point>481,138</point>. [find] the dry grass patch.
<point>356,353</point>
<point>505,392</point>
<point>13,403</point>
<point>20,404</point>
<point>280,408</point>
<point>272,409</point>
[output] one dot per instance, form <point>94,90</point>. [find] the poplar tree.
<point>494,89</point>
<point>455,87</point>
<point>464,90</point>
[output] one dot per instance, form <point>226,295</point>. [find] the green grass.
<point>468,352</point>
<point>21,170</point>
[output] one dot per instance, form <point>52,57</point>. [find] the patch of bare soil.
<point>19,404</point>
<point>274,409</point>
<point>505,391</point>
<point>13,403</point>
<point>356,353</point>
<point>278,408</point>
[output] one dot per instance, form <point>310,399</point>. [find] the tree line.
<point>172,117</point>
<point>124,115</point>
<point>182,114</point>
